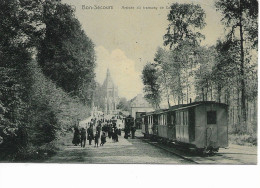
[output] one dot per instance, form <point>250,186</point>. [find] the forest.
<point>185,71</point>
<point>47,76</point>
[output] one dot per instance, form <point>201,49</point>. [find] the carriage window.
<point>183,118</point>
<point>179,118</point>
<point>187,118</point>
<point>211,117</point>
<point>163,119</point>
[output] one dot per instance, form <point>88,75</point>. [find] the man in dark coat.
<point>99,130</point>
<point>133,129</point>
<point>90,134</point>
<point>110,131</point>
<point>113,134</point>
<point>103,139</point>
<point>83,137</point>
<point>96,139</point>
<point>116,134</point>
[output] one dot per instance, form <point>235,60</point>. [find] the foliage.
<point>151,86</point>
<point>225,72</point>
<point>124,104</point>
<point>52,110</point>
<point>240,13</point>
<point>18,32</point>
<point>66,54</point>
<point>34,111</point>
<point>244,139</point>
<point>183,37</point>
<point>240,19</point>
<point>36,153</point>
<point>184,20</point>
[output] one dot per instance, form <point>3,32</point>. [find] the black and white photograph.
<point>171,82</point>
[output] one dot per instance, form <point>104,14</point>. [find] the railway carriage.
<point>198,125</point>
<point>150,124</point>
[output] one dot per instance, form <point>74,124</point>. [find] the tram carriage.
<point>129,122</point>
<point>199,125</point>
<point>138,119</point>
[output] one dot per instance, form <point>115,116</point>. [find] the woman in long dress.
<point>76,137</point>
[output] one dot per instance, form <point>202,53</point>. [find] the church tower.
<point>110,92</point>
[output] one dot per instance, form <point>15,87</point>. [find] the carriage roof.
<point>157,112</point>
<point>194,104</point>
<point>185,106</point>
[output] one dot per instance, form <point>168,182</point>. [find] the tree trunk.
<point>207,90</point>
<point>219,93</point>
<point>211,93</point>
<point>243,99</point>
<point>179,88</point>
<point>187,93</point>
<point>202,90</point>
<point>167,90</point>
<point>238,105</point>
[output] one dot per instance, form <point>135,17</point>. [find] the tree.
<point>183,37</point>
<point>30,102</point>
<point>185,20</point>
<point>151,86</point>
<point>65,54</point>
<point>162,67</point>
<point>240,18</point>
<point>124,105</point>
<point>19,33</point>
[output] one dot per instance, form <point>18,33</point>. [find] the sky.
<point>126,39</point>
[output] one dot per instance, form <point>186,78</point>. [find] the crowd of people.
<point>103,128</point>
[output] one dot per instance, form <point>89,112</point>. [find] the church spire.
<point>108,82</point>
<point>108,72</point>
<point>110,94</point>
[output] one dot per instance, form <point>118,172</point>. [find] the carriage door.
<point>211,129</point>
<point>191,124</point>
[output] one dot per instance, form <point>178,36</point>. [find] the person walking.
<point>103,139</point>
<point>116,134</point>
<point>90,134</point>
<point>113,134</point>
<point>133,129</point>
<point>99,129</point>
<point>96,139</point>
<point>76,137</point>
<point>110,131</point>
<point>83,137</point>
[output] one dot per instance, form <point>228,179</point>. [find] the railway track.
<point>156,144</point>
<point>184,154</point>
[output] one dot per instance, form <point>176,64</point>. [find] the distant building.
<point>139,104</point>
<point>110,94</point>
